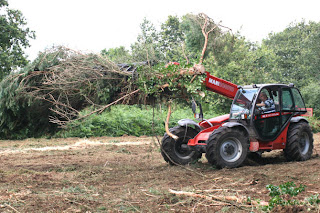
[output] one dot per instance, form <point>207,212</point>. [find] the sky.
<point>94,25</point>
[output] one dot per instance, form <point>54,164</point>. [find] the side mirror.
<point>194,106</point>
<point>198,116</point>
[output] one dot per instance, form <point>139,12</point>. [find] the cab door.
<point>291,104</point>
<point>287,105</point>
<point>267,122</point>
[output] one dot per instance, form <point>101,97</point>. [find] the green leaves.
<point>14,38</point>
<point>282,194</point>
<point>20,115</point>
<point>130,120</point>
<point>117,55</point>
<point>169,81</point>
<point>288,188</point>
<point>313,199</point>
<point>64,83</point>
<point>146,48</point>
<point>297,51</point>
<point>286,195</point>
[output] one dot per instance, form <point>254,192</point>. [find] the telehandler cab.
<point>228,139</point>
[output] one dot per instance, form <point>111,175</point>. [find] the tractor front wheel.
<point>299,142</point>
<point>177,151</point>
<point>227,147</point>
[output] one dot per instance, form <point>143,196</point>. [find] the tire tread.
<point>292,151</point>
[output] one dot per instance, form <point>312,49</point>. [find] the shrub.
<point>311,95</point>
<point>20,115</point>
<point>127,120</point>
<point>282,195</point>
<point>315,124</point>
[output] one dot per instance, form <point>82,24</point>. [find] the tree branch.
<point>167,123</point>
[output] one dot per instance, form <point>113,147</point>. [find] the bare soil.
<point>128,174</point>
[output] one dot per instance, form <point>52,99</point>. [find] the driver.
<point>266,104</point>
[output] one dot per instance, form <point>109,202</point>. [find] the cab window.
<point>267,120</point>
<point>287,101</point>
<point>299,104</point>
<point>287,105</point>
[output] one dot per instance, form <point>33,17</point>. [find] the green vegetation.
<point>127,120</point>
<point>14,38</point>
<point>20,115</point>
<point>286,195</point>
<point>314,123</point>
<point>312,200</point>
<point>29,99</point>
<point>311,95</point>
<point>282,194</point>
<point>31,102</point>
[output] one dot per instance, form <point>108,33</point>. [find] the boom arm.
<point>220,86</point>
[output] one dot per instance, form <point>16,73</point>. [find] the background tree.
<point>298,51</point>
<point>172,40</point>
<point>14,38</point>
<point>311,95</point>
<point>290,56</point>
<point>192,26</point>
<point>146,48</point>
<point>117,54</point>
<point>80,80</point>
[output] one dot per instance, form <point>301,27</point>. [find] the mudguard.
<point>236,124</point>
<point>189,122</point>
<point>297,119</point>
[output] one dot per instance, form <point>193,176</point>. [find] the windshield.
<point>242,103</point>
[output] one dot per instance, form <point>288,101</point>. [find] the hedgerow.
<point>128,120</point>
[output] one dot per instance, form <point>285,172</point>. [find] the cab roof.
<point>264,85</point>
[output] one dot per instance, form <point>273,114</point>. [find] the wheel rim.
<point>304,143</point>
<point>231,150</point>
<point>181,152</point>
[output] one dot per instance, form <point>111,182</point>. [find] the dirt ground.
<point>128,174</point>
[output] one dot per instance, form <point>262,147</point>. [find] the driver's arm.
<point>262,104</point>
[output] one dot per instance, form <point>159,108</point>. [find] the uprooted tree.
<point>65,81</point>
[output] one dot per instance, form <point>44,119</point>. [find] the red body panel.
<point>255,145</point>
<point>202,136</point>
<point>220,86</point>
<point>278,143</point>
<point>215,121</point>
<point>208,129</point>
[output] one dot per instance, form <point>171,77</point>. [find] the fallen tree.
<point>81,80</point>
<point>77,81</point>
<point>65,81</point>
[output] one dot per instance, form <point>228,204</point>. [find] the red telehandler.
<point>227,140</point>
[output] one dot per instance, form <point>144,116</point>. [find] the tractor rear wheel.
<point>177,152</point>
<point>299,142</point>
<point>227,147</point>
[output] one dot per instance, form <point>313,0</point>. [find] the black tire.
<point>227,147</point>
<point>299,142</point>
<point>172,151</point>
